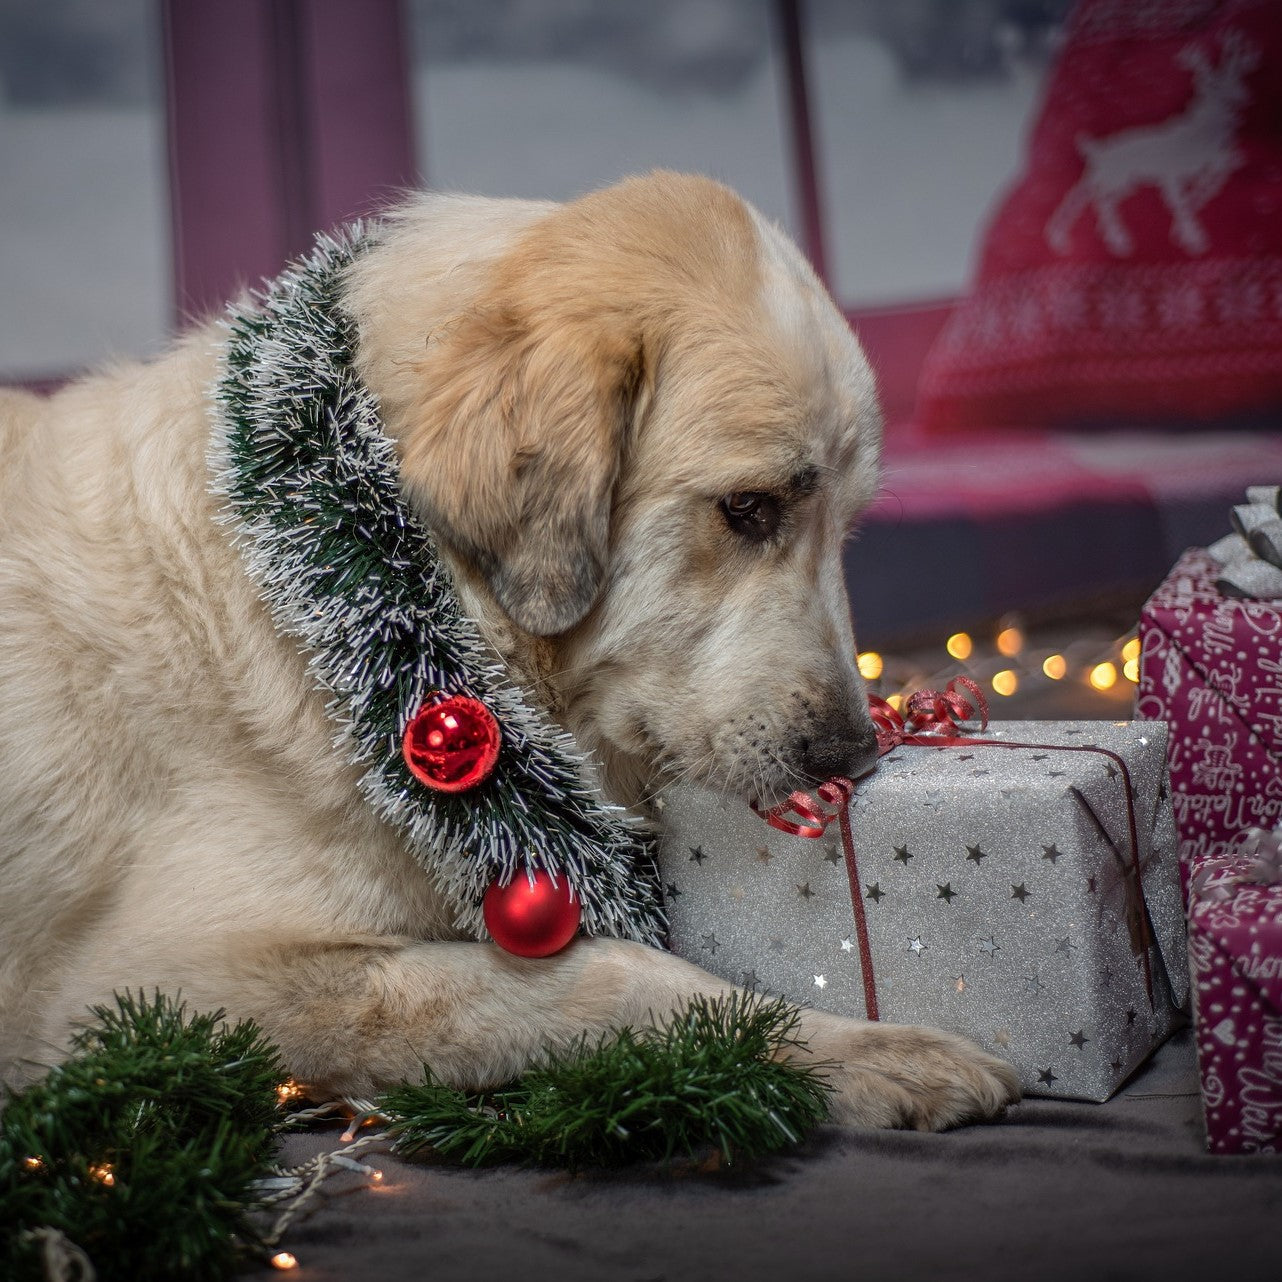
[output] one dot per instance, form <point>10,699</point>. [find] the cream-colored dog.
<point>639,428</point>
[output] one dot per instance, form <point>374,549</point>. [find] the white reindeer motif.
<point>1188,158</point>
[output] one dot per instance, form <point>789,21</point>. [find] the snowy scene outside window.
<point>83,205</point>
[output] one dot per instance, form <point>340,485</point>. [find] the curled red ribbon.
<point>931,715</point>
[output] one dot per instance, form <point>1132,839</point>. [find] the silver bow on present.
<point>1218,879</point>
<point>1252,554</point>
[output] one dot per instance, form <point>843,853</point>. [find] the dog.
<point>639,430</point>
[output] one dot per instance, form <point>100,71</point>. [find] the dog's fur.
<point>573,390</point>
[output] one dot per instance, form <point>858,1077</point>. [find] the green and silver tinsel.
<point>311,488</point>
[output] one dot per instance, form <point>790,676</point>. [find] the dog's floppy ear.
<point>513,452</point>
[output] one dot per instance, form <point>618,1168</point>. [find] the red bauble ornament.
<point>452,745</point>
<point>532,916</point>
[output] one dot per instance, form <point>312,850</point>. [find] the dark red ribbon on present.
<point>932,722</point>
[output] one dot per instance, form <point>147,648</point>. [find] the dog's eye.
<point>751,513</point>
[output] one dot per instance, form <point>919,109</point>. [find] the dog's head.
<point>641,430</point>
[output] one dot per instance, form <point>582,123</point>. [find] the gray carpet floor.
<point>1118,1192</point>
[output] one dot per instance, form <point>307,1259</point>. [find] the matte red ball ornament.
<point>532,916</point>
<point>452,745</point>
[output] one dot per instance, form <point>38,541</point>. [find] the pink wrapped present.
<point>1235,954</point>
<point>1211,667</point>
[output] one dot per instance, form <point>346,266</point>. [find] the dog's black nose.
<point>837,750</point>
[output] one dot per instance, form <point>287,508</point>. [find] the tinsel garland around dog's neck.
<point>311,488</point>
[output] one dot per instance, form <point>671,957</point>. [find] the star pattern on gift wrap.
<point>1131,1016</point>
<point>711,943</point>
<point>1078,1039</point>
<point>763,855</point>
<point>979,771</point>
<point>1033,983</point>
<point>831,854</point>
<point>750,979</point>
<point>965,756</point>
<point>673,892</point>
<point>803,890</point>
<point>875,893</point>
<point>990,946</point>
<point>1001,1037</point>
<point>945,892</point>
<point>959,983</point>
<point>1009,793</point>
<point>1040,756</point>
<point>821,981</point>
<point>975,854</point>
<point>903,855</point>
<point>1092,886</point>
<point>1110,770</point>
<point>916,946</point>
<point>1020,891</point>
<point>1057,774</point>
<point>848,945</point>
<point>1047,1076</point>
<point>932,800</point>
<point>1116,1064</point>
<point>696,855</point>
<point>1066,946</point>
<point>1052,853</point>
<point>1106,977</point>
<point>737,893</point>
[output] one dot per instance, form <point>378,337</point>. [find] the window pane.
<point>83,208</point>
<point>920,111</point>
<point>550,98</point>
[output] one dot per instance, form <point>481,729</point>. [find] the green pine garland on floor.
<point>142,1152</point>
<point>707,1080</point>
<point>142,1148</point>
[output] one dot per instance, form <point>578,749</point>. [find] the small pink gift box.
<point>1211,667</point>
<point>1235,956</point>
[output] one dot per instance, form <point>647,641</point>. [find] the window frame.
<point>285,116</point>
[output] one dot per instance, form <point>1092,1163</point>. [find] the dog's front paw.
<point>898,1075</point>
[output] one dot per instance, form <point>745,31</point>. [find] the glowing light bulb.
<point>1010,641</point>
<point>288,1090</point>
<point>1103,676</point>
<point>959,645</point>
<point>33,1163</point>
<point>1131,650</point>
<point>870,665</point>
<point>1005,681</point>
<point>376,1177</point>
<point>1131,669</point>
<point>103,1173</point>
<point>284,1261</point>
<point>1055,666</point>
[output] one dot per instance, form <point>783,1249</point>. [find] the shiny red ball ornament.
<point>532,916</point>
<point>452,745</point>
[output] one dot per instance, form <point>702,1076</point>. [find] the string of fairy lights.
<point>1009,662</point>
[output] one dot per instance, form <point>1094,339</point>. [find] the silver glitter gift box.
<point>995,894</point>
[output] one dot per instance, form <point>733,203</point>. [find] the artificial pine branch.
<point>142,1147</point>
<point>311,489</point>
<point>712,1077</point>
